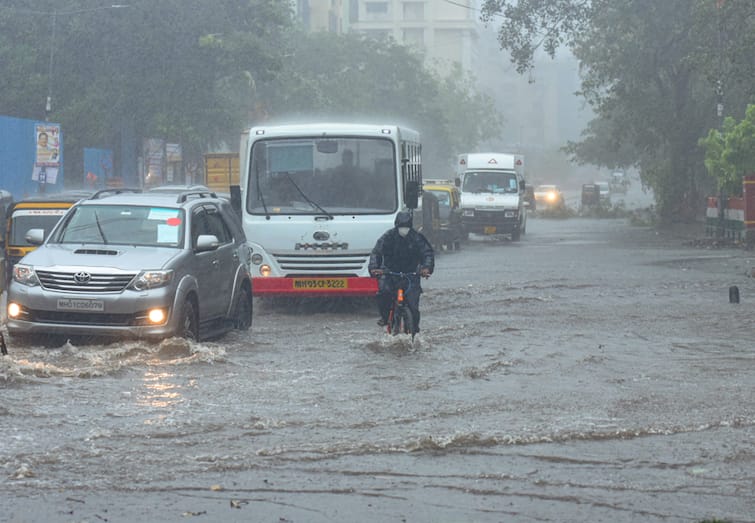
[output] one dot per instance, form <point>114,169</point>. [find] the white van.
<point>492,194</point>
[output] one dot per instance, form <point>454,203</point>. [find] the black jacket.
<point>407,254</point>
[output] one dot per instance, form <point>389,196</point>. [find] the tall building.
<point>444,31</point>
<point>540,110</point>
<point>322,15</point>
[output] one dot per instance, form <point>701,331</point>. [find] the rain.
<point>595,365</point>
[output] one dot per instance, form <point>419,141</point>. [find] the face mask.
<point>403,231</point>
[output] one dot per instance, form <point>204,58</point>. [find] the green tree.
<point>163,69</point>
<point>652,72</point>
<point>730,152</point>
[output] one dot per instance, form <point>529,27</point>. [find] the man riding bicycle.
<point>401,249</point>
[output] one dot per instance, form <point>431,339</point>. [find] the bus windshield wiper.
<point>259,191</point>
<point>307,199</point>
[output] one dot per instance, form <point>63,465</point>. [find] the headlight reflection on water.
<point>159,393</point>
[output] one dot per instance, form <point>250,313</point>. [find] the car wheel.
<point>243,311</point>
<point>189,326</point>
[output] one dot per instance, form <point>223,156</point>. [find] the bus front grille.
<point>330,264</point>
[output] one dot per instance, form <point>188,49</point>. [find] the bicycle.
<point>400,318</point>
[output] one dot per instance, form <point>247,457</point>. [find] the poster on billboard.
<point>47,158</point>
<point>154,158</point>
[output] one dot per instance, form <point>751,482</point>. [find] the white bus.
<point>315,199</point>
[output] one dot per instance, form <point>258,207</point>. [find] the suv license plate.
<point>303,284</point>
<point>80,305</point>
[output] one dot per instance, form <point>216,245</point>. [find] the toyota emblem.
<point>321,236</point>
<point>82,277</point>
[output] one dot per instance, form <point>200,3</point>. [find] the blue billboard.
<point>31,157</point>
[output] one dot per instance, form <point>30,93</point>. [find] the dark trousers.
<point>387,288</point>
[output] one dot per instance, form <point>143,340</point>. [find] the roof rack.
<point>104,192</point>
<point>185,195</point>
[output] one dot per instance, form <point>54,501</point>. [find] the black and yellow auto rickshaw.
<point>449,213</point>
<point>39,212</point>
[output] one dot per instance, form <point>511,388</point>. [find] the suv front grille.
<point>98,283</point>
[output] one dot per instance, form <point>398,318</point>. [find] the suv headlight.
<point>25,275</point>
<point>151,280</point>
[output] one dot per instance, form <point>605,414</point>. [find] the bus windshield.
<point>490,181</point>
<point>324,176</point>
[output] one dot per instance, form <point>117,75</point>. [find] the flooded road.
<point>594,371</point>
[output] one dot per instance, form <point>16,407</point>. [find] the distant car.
<point>549,197</point>
<point>135,265</point>
<point>605,191</point>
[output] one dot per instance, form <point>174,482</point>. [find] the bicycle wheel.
<point>395,320</point>
<point>407,321</point>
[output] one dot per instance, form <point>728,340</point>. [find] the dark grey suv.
<point>135,264</point>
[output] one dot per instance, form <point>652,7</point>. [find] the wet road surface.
<point>594,371</point>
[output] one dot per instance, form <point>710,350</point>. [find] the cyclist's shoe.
<point>382,322</point>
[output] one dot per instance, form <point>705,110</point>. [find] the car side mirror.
<point>207,242</point>
<point>457,182</point>
<point>35,236</point>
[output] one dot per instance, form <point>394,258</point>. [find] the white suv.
<point>126,263</point>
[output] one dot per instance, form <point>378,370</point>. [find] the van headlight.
<point>151,280</point>
<point>25,275</point>
<point>467,212</point>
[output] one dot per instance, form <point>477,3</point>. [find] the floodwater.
<point>594,371</point>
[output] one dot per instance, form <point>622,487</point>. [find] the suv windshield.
<point>123,225</point>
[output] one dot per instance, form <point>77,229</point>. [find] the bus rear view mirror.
<point>327,146</point>
<point>411,198</point>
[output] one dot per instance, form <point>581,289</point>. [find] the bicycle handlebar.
<point>401,274</point>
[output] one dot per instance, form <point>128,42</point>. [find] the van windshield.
<point>490,181</point>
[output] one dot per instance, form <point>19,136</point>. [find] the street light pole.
<point>55,13</point>
<point>48,104</point>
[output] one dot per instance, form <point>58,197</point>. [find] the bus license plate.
<point>306,284</point>
<point>490,230</point>
<point>80,305</point>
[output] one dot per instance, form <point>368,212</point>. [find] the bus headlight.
<point>256,258</point>
<point>265,270</point>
